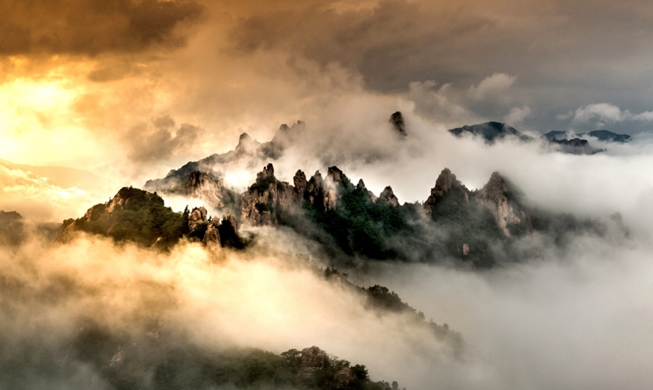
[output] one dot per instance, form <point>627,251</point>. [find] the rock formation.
<point>141,217</point>
<point>202,186</point>
<point>268,197</point>
<point>397,121</point>
<point>361,187</point>
<point>491,131</point>
<point>496,196</point>
<point>258,204</point>
<point>388,195</point>
<point>445,184</point>
<point>196,218</point>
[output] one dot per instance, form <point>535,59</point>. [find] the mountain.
<point>351,224</point>
<point>138,216</point>
<point>560,140</point>
<point>491,131</point>
<point>248,153</point>
<point>556,134</point>
<point>575,146</point>
<point>601,135</point>
<point>11,228</point>
<point>607,136</point>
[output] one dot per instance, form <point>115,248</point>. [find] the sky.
<point>116,92</point>
<point>92,84</point>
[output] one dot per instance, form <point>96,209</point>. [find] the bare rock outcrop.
<point>445,184</point>
<point>389,196</point>
<point>397,121</point>
<point>258,204</point>
<point>315,187</point>
<point>495,195</point>
<point>212,235</point>
<point>299,180</point>
<point>196,218</point>
<point>330,187</point>
<point>361,187</point>
<point>202,186</point>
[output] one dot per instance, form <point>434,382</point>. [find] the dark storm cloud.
<point>398,41</point>
<point>91,27</point>
<point>564,54</point>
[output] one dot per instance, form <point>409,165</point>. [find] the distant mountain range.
<point>563,141</point>
<point>601,135</point>
<point>491,131</point>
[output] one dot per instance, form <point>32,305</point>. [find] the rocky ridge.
<point>248,153</point>
<point>139,216</point>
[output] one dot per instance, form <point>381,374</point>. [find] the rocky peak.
<point>246,145</point>
<point>388,195</point>
<point>334,174</point>
<point>259,202</point>
<point>446,183</point>
<point>267,172</point>
<point>397,121</point>
<point>496,196</point>
<point>315,187</point>
<point>299,180</point>
<point>196,218</point>
<point>361,187</point>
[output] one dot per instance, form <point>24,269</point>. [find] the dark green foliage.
<point>229,237</point>
<point>133,362</point>
<point>384,300</point>
<point>12,231</point>
<point>467,222</point>
<point>262,183</point>
<point>561,227</point>
<point>142,218</point>
<point>261,207</point>
<point>357,225</point>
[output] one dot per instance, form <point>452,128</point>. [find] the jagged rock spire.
<point>446,183</point>
<point>496,196</point>
<point>397,121</point>
<point>388,195</point>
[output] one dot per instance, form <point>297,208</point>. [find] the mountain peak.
<point>446,183</point>
<point>397,121</point>
<point>490,131</point>
<point>498,196</point>
<point>389,196</point>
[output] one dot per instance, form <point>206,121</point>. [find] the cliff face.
<point>389,196</point>
<point>445,185</point>
<point>202,186</point>
<point>268,198</point>
<point>496,196</point>
<point>258,205</point>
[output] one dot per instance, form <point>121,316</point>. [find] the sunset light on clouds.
<point>193,193</point>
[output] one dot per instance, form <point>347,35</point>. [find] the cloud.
<point>159,140</point>
<point>601,111</point>
<point>185,300</point>
<point>491,86</point>
<point>518,115</point>
<point>87,27</point>
<point>606,112</point>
